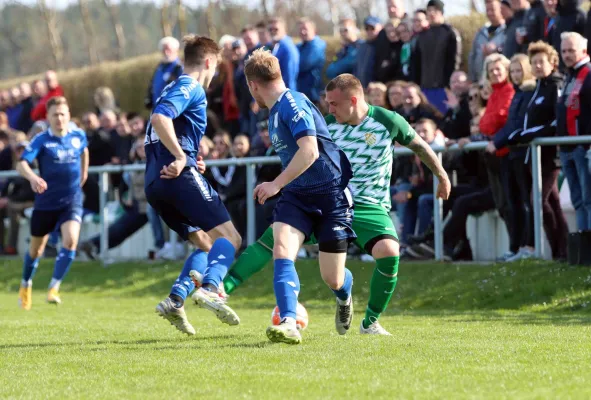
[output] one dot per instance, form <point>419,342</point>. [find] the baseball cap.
<point>371,21</point>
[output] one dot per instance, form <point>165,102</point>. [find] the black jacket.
<point>573,111</point>
<point>588,31</point>
<point>511,46</point>
<point>422,111</point>
<point>18,190</point>
<point>456,122</point>
<point>570,19</point>
<point>515,118</point>
<point>440,46</point>
<point>534,22</point>
<point>540,117</point>
<point>387,62</point>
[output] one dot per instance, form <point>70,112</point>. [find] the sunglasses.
<point>370,28</point>
<point>473,97</point>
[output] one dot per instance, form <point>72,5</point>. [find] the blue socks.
<point>184,285</point>
<point>220,257</point>
<point>29,268</point>
<point>345,291</point>
<point>63,262</point>
<point>286,284</point>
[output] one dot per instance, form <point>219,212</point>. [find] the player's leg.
<point>286,283</point>
<point>251,261</point>
<point>334,232</point>
<point>42,223</point>
<point>70,230</point>
<point>377,236</point>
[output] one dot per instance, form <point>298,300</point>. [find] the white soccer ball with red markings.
<point>301,317</point>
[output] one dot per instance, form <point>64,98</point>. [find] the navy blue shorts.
<point>188,203</point>
<point>45,221</point>
<point>328,217</point>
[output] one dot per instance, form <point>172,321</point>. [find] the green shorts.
<point>371,224</point>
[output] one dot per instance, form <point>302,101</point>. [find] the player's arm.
<point>164,128</point>
<point>301,161</point>
<point>23,167</point>
<point>430,159</point>
<point>84,162</point>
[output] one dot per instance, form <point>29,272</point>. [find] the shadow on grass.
<point>527,286</point>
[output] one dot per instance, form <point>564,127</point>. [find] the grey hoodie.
<point>476,57</point>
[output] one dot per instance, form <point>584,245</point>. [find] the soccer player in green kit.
<point>366,134</point>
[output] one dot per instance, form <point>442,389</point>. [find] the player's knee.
<point>36,252</point>
<point>235,238</point>
<point>333,282</point>
<point>280,250</point>
<point>69,243</point>
<point>385,248</point>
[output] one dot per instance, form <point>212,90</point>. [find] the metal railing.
<point>252,162</point>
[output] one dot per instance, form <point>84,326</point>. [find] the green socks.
<point>383,283</point>
<point>251,261</point>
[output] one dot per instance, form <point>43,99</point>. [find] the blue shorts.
<point>46,221</point>
<point>328,217</point>
<point>187,203</point>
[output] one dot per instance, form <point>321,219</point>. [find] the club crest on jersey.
<point>370,138</point>
<point>76,143</point>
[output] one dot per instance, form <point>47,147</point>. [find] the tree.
<point>55,40</point>
<point>88,32</point>
<point>117,27</point>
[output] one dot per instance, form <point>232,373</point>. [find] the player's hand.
<point>200,165</point>
<point>265,190</point>
<point>443,187</point>
<point>38,185</point>
<point>174,169</point>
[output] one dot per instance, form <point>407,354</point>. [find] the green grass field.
<point>470,331</point>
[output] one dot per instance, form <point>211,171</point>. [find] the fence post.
<point>437,212</point>
<point>250,211</point>
<point>104,216</point>
<point>536,170</point>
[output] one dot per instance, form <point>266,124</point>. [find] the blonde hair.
<point>377,86</point>
<point>262,66</point>
<point>494,58</point>
<point>345,83</point>
<point>523,61</point>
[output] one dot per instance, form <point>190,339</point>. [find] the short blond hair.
<point>494,58</point>
<point>544,48</point>
<point>377,86</point>
<point>262,66</point>
<point>345,83</point>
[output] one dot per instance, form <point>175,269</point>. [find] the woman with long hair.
<point>539,121</point>
<point>395,92</point>
<point>416,106</point>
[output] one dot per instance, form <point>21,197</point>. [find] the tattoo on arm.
<point>427,156</point>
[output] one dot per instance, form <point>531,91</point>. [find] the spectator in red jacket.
<point>496,67</point>
<point>53,89</point>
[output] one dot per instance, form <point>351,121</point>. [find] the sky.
<point>453,7</point>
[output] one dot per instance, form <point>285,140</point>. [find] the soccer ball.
<point>301,317</point>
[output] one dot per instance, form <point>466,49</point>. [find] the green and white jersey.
<point>369,147</point>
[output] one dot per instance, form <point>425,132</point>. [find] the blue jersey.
<point>294,116</point>
<point>184,102</point>
<point>59,166</point>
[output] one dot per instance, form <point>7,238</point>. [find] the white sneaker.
<point>216,303</point>
<point>165,250</point>
<point>176,316</point>
<point>343,316</point>
<point>197,279</point>
<point>374,329</point>
<point>284,333</point>
<point>302,253</point>
<point>522,254</point>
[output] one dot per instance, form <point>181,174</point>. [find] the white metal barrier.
<point>252,162</point>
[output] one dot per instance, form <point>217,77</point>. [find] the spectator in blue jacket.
<point>169,69</point>
<point>345,61</point>
<point>312,58</point>
<point>366,53</point>
<point>248,119</point>
<point>286,51</point>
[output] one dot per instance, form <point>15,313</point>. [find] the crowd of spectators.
<point>527,76</point>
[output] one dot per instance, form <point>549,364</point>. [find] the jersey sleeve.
<point>400,130</point>
<point>32,150</point>
<point>297,115</point>
<point>83,140</point>
<point>177,98</point>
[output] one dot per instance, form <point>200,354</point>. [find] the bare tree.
<point>117,27</point>
<point>164,19</point>
<point>334,16</point>
<point>182,18</point>
<point>211,28</point>
<point>55,40</point>
<point>88,32</point>
<point>265,7</point>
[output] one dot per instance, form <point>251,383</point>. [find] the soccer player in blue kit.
<point>180,195</point>
<point>62,154</point>
<point>314,195</point>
